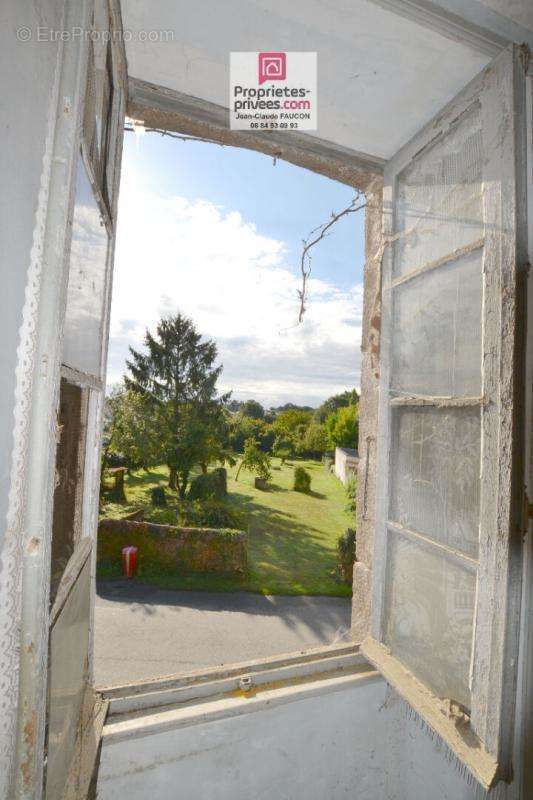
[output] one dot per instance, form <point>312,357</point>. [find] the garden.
<point>218,494</point>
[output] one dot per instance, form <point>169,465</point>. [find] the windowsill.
<point>179,700</point>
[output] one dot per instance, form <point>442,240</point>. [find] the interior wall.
<point>28,107</point>
<point>507,17</point>
<point>373,64</point>
<point>357,743</point>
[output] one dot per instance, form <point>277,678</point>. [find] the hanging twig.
<point>180,136</point>
<point>321,232</point>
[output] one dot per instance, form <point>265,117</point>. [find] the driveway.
<point>144,632</point>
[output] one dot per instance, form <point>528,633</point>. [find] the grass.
<point>292,536</point>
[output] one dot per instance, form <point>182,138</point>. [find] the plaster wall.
<point>358,743</point>
<point>27,111</point>
<point>373,64</point>
<point>511,18</point>
<point>26,102</point>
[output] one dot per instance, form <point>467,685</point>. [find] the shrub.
<point>351,493</point>
<point>161,516</point>
<point>207,513</point>
<point>346,545</point>
<point>302,480</point>
<point>158,496</point>
<point>211,485</point>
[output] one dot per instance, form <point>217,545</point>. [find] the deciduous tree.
<point>343,427</point>
<point>134,429</point>
<point>348,398</point>
<point>253,409</point>
<point>315,440</point>
<point>254,460</point>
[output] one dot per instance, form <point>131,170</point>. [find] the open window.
<point>447,542</point>
<point>447,547</point>
<point>72,706</point>
<point>70,457</point>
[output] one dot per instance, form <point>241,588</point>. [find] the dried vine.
<point>182,137</point>
<point>314,237</point>
<point>321,231</point>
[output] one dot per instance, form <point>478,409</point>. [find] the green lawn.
<point>292,535</point>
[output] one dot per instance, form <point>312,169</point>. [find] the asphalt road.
<point>144,632</point>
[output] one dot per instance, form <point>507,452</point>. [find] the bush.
<point>159,497</point>
<point>212,485</point>
<point>161,516</point>
<point>207,513</point>
<point>351,493</point>
<point>346,553</point>
<point>302,480</point>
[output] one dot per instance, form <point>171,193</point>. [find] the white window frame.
<point>163,108</point>
<point>484,742</point>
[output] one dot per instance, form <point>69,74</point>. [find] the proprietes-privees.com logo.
<point>273,90</point>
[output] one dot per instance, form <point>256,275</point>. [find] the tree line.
<point>169,411</point>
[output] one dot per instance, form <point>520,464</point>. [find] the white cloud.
<point>175,255</point>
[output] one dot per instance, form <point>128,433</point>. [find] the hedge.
<point>183,550</point>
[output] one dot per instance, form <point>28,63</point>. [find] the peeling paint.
<point>29,732</point>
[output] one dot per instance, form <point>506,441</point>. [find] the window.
<point>69,479</point>
<point>100,101</point>
<point>447,538</point>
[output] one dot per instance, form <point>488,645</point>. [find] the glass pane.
<point>67,675</point>
<point>436,338</point>
<point>82,343</point>
<point>438,203</point>
<point>429,609</point>
<point>434,481</point>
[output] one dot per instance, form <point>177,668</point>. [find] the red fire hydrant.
<point>129,561</point>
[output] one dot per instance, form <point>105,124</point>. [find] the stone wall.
<point>346,464</point>
<point>183,549</point>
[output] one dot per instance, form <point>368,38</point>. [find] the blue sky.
<point>215,232</point>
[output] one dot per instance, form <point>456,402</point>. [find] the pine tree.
<point>178,376</point>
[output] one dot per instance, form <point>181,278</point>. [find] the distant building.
<point>346,463</point>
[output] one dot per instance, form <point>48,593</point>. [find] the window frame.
<point>484,743</point>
